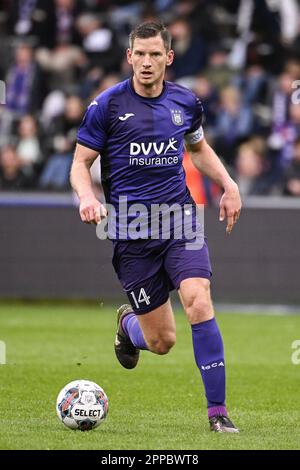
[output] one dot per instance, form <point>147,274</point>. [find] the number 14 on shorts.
<point>142,297</point>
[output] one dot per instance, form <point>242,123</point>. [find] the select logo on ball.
<point>87,413</point>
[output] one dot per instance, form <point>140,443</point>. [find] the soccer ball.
<point>82,404</point>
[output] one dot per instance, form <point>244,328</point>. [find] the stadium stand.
<point>242,57</point>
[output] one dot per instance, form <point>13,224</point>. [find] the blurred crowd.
<point>241,57</point>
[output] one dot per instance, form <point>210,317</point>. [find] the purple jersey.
<point>141,142</point>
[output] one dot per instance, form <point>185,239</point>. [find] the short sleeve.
<point>92,131</point>
<point>198,116</point>
<point>195,133</point>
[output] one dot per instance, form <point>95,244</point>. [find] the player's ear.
<point>170,57</point>
<point>129,55</point>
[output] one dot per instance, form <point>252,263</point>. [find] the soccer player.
<point>139,127</point>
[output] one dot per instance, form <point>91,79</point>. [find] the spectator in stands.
<point>25,85</point>
<point>29,147</point>
<point>272,24</point>
<point>99,43</point>
<point>64,60</point>
<point>53,106</point>
<point>234,123</point>
<point>252,84</point>
<point>218,72</point>
<point>292,174</point>
<point>102,51</point>
<point>62,65</point>
<point>281,100</point>
<point>250,169</point>
<point>32,18</point>
<point>63,137</point>
<point>190,50</point>
<point>12,175</point>
<point>66,13</point>
<point>203,16</point>
<point>283,137</point>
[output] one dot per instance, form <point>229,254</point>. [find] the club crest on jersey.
<point>177,117</point>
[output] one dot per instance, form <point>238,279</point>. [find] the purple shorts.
<point>149,269</point>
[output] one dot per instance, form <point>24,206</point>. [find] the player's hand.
<point>91,210</point>
<point>230,206</point>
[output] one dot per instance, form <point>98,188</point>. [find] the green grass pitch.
<point>160,404</point>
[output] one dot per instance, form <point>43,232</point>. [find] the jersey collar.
<point>145,99</point>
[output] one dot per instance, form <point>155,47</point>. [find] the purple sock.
<point>131,326</point>
<point>209,356</point>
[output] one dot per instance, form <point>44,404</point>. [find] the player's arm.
<point>90,209</point>
<point>209,164</point>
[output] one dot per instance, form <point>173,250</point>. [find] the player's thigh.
<point>195,297</point>
<point>185,259</point>
<point>159,327</point>
<point>139,266</point>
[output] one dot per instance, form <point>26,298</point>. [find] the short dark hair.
<point>150,29</point>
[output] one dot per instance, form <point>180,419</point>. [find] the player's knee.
<point>199,308</point>
<point>163,344</point>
